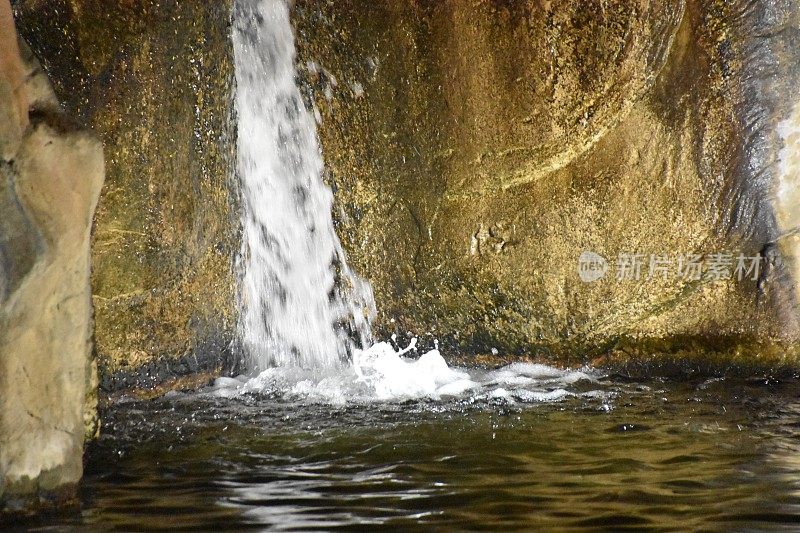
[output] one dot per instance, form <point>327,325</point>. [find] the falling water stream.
<point>301,304</point>
<point>305,316</point>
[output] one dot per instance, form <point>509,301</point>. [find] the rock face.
<point>51,179</point>
<point>476,149</point>
<point>152,79</point>
<point>479,148</point>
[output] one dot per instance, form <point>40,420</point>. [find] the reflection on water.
<point>711,455</point>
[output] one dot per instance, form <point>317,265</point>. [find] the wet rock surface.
<point>476,150</point>
<point>152,80</point>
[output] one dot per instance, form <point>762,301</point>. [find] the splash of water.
<point>300,303</point>
<point>382,374</point>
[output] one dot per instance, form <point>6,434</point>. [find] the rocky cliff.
<point>477,150</point>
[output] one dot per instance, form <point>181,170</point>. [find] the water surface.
<point>703,454</point>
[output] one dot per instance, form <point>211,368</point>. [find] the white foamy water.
<point>300,303</point>
<point>383,374</point>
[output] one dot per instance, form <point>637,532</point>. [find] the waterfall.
<point>305,316</point>
<point>300,304</point>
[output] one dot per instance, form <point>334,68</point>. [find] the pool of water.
<point>604,452</point>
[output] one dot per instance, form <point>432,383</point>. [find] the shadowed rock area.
<point>152,80</point>
<point>51,173</point>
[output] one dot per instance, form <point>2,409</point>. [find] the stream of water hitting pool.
<point>305,315</point>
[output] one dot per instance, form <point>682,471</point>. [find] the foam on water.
<point>383,374</point>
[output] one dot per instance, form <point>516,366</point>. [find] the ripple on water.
<point>665,455</point>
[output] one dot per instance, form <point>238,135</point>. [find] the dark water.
<point>706,455</point>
